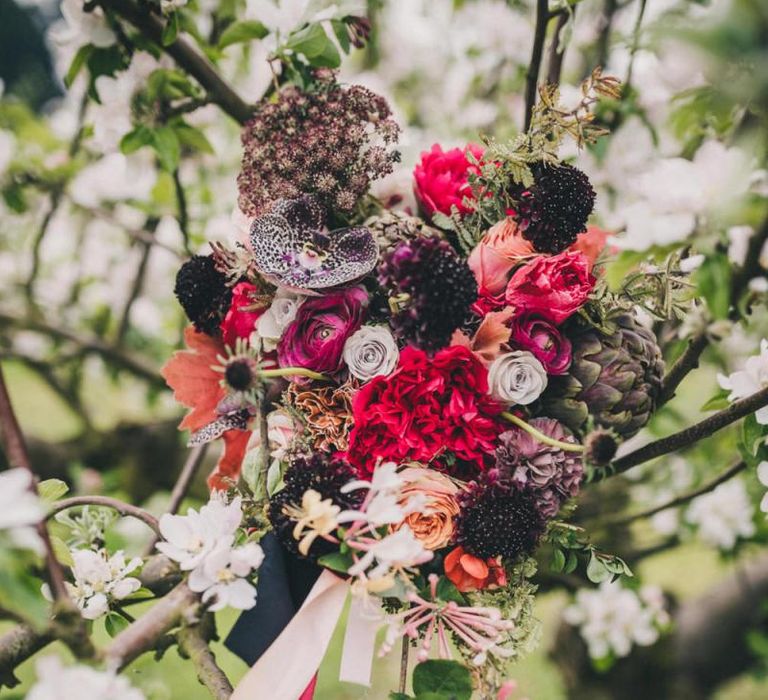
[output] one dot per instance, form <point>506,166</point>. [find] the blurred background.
<point>93,231</point>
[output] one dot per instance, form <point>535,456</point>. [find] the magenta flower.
<point>315,338</point>
<point>543,340</point>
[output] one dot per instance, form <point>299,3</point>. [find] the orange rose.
<point>433,525</point>
<point>470,573</point>
<point>500,249</point>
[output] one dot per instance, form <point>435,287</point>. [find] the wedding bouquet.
<point>411,399</point>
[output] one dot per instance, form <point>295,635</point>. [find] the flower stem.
<point>292,371</point>
<point>520,423</point>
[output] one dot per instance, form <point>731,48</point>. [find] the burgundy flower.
<point>241,318</point>
<point>315,338</point>
<point>555,287</point>
<point>543,340</point>
<point>441,178</point>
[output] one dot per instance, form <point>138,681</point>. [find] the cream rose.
<point>369,352</point>
<point>517,377</point>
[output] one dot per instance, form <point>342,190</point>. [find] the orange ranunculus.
<point>470,573</point>
<point>433,525</point>
<point>502,247</point>
<point>591,243</point>
<point>197,386</point>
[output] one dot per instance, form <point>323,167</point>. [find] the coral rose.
<point>500,249</point>
<point>433,525</point>
<point>315,338</point>
<point>470,573</point>
<point>554,287</point>
<point>441,179</point>
<point>591,243</point>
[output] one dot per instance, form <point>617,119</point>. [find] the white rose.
<point>275,319</point>
<point>370,352</point>
<point>517,377</point>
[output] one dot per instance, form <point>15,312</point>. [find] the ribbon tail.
<point>360,641</point>
<point>286,669</point>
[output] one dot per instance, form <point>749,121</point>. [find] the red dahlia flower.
<point>442,178</point>
<point>425,407</point>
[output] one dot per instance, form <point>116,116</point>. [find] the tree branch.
<point>194,645</point>
<point>690,435</point>
<point>186,56</point>
<point>556,51</point>
<point>16,646</point>
<point>729,473</point>
<point>532,76</point>
<point>125,509</point>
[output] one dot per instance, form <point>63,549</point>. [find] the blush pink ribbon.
<point>286,670</point>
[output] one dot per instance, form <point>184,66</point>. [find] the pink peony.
<point>543,340</point>
<point>554,287</point>
<point>241,318</point>
<point>441,178</point>
<point>316,336</point>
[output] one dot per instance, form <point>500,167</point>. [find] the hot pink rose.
<point>543,340</point>
<point>497,253</point>
<point>441,178</point>
<point>243,313</point>
<point>315,338</point>
<point>554,287</point>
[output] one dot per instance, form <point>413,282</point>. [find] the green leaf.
<point>717,402</point>
<point>713,280</point>
<point>596,570</point>
<point>171,29</point>
<point>399,696</point>
<point>448,592</point>
<point>61,551</point>
<point>135,139</point>
<point>571,563</point>
<point>52,489</point>
<point>342,34</point>
<point>115,623</point>
<point>558,560</point>
<point>336,561</point>
<point>752,434</point>
<point>82,55</point>
<point>315,45</point>
<point>192,137</point>
<point>442,221</point>
<point>443,679</point>
<point>239,32</point>
<point>166,145</point>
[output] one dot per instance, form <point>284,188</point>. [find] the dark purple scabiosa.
<point>549,474</point>
<point>497,519</point>
<point>331,141</point>
<point>430,291</point>
<point>554,210</point>
<point>203,293</point>
<point>322,474</point>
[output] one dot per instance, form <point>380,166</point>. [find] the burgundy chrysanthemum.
<point>331,141</point>
<point>498,520</point>
<point>549,474</point>
<point>432,287</point>
<point>553,211</point>
<point>324,475</point>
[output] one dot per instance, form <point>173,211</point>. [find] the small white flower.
<point>20,509</point>
<point>517,377</point>
<point>723,516</point>
<point>82,27</point>
<point>168,6</point>
<point>59,682</point>
<point>738,243</point>
<point>100,579</point>
<point>691,263</point>
<point>750,380</point>
<point>282,311</point>
<point>400,550</point>
<point>221,576</point>
<point>371,351</point>
<point>190,538</point>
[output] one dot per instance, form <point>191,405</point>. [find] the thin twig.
<point>133,294</point>
<point>404,663</point>
<point>183,216</point>
<point>185,54</point>
<point>125,509</point>
<point>532,75</point>
<point>689,436</point>
<point>729,473</point>
<point>635,44</point>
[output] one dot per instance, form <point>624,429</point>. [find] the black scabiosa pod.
<point>554,211</point>
<point>496,520</point>
<point>431,289</point>
<point>203,293</point>
<point>324,475</point>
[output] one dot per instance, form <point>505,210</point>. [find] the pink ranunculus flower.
<point>500,249</point>
<point>240,320</point>
<point>441,178</point>
<point>543,340</point>
<point>316,336</point>
<point>554,287</point>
